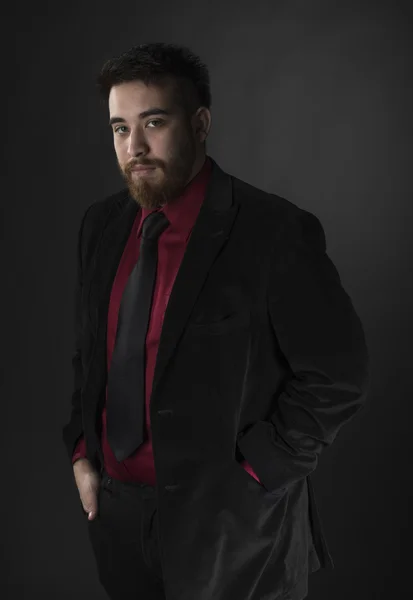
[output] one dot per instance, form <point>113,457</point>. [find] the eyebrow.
<point>142,115</point>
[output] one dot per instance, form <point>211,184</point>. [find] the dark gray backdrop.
<point>312,101</point>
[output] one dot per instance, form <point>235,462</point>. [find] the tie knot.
<point>154,225</point>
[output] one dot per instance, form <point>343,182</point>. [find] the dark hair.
<point>161,64</point>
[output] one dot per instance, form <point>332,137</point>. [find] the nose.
<point>137,144</point>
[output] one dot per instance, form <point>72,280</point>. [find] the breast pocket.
<point>211,325</point>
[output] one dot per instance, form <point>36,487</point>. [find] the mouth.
<point>142,172</point>
<point>142,168</point>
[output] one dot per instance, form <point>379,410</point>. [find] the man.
<point>217,354</point>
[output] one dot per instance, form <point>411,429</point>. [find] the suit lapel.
<point>210,232</point>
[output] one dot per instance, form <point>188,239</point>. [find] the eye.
<point>116,129</point>
<point>155,121</point>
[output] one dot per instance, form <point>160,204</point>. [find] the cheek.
<point>121,153</point>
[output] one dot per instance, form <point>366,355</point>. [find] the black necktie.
<point>126,377</point>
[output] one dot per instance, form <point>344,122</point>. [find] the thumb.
<point>90,505</point>
<point>91,512</point>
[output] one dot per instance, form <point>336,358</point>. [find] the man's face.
<point>166,142</point>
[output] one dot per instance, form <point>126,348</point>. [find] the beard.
<point>166,182</point>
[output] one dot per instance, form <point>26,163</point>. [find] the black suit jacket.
<point>261,354</point>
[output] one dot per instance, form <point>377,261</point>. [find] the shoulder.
<point>291,225</point>
<point>96,214</point>
<point>101,208</point>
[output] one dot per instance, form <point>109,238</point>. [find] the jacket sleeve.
<point>74,429</point>
<point>323,342</point>
<point>80,450</point>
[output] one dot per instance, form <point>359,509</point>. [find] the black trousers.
<point>124,539</point>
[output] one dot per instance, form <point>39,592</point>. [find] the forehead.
<point>136,96</point>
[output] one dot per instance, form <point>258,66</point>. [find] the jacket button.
<point>167,412</point>
<point>172,488</point>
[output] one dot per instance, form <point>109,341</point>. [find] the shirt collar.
<point>182,213</point>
